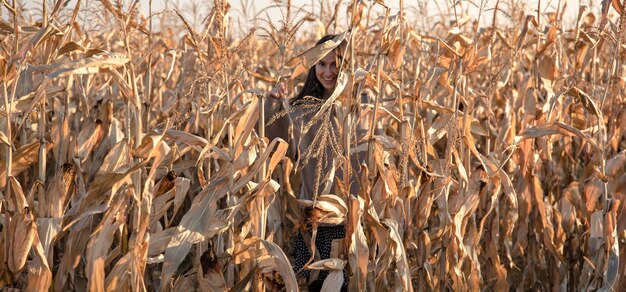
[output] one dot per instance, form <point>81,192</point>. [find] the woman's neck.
<point>326,94</point>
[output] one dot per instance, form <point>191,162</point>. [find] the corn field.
<point>134,156</point>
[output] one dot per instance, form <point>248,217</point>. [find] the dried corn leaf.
<point>18,199</point>
<point>70,47</point>
<point>403,273</point>
<point>88,138</point>
<point>189,139</point>
<point>311,56</point>
<point>89,65</point>
<point>21,233</point>
<point>615,165</point>
<point>618,6</point>
<point>116,159</point>
<point>24,157</point>
<point>100,243</point>
<point>358,252</point>
<point>585,100</point>
<point>192,229</point>
<point>282,265</point>
<point>52,202</point>
<point>39,274</point>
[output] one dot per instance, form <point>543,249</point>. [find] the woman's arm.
<point>276,112</point>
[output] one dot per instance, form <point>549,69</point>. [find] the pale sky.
<point>243,11</point>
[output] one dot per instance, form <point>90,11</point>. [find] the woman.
<point>320,84</point>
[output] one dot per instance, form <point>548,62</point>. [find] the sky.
<point>243,11</point>
<point>432,6</point>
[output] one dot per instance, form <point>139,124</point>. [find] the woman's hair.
<point>312,86</point>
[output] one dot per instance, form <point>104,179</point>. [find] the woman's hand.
<point>279,91</point>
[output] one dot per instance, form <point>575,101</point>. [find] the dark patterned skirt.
<point>323,244</point>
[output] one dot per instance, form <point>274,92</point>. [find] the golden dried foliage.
<point>134,158</point>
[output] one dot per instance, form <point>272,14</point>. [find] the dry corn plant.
<point>460,158</point>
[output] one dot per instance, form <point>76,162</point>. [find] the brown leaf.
<point>70,47</point>
<point>569,130</point>
<point>311,56</point>
<point>244,127</point>
<point>615,165</point>
<point>403,273</point>
<point>41,36</point>
<point>535,132</point>
<point>52,203</point>
<point>21,234</point>
<point>160,240</point>
<point>358,253</point>
<point>39,274</point>
<point>88,138</point>
<point>547,68</point>
<point>585,100</point>
<point>333,281</point>
<point>332,208</point>
<point>548,230</point>
<point>448,50</point>
<point>189,139</point>
<point>101,240</point>
<point>617,5</point>
<point>88,65</point>
<point>522,36</point>
<point>110,181</point>
<point>128,273</point>
<point>22,160</point>
<point>282,265</point>
<point>48,229</point>
<point>148,146</point>
<point>116,159</point>
<point>18,200</point>
<point>551,35</point>
<point>192,229</point>
<point>396,53</point>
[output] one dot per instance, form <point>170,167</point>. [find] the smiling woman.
<point>314,157</point>
<point>288,121</point>
<point>326,73</point>
<point>321,78</point>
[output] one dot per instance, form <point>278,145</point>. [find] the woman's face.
<point>326,72</point>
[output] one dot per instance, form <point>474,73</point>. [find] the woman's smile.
<point>329,82</point>
<point>326,72</point>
